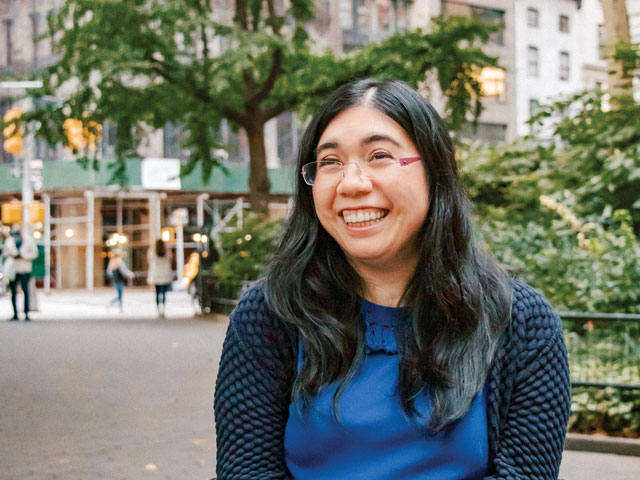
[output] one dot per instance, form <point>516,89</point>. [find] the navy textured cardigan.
<point>528,393</point>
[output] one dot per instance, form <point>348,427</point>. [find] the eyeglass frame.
<point>403,162</point>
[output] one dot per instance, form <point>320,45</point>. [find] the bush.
<point>605,411</point>
<point>243,254</point>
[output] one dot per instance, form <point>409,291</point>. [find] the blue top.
<point>376,439</point>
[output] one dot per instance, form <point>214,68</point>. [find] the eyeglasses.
<point>332,171</point>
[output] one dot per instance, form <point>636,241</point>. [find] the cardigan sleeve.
<point>534,425</point>
<point>252,394</point>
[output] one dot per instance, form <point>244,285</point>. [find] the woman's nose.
<point>353,182</point>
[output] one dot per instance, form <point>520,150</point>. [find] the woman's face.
<point>395,200</point>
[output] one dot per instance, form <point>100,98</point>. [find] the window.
<point>363,22</point>
<point>532,62</point>
<point>532,17</point>
<point>534,105</point>
<point>35,30</point>
<point>491,16</point>
<point>7,27</point>
<point>602,40</point>
<point>492,81</point>
<point>490,132</point>
<point>564,24</point>
<point>564,66</point>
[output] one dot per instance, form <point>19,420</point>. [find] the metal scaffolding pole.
<point>47,242</point>
<point>90,239</point>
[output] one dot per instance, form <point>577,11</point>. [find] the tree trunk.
<point>616,22</point>
<point>259,184</point>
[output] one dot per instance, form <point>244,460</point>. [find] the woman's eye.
<point>381,156</point>
<point>328,162</point>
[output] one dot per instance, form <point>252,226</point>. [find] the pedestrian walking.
<point>386,341</point>
<point>118,272</point>
<point>160,273</point>
<point>19,250</point>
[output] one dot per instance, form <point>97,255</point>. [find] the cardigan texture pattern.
<point>527,406</point>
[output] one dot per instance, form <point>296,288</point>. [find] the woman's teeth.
<point>363,217</point>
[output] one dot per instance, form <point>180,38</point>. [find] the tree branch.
<point>241,14</point>
<point>274,20</point>
<point>274,73</point>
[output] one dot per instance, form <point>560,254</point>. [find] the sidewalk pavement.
<point>80,304</point>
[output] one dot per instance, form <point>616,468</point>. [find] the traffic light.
<point>12,212</point>
<point>13,132</point>
<point>92,133</point>
<point>81,136</point>
<point>74,132</point>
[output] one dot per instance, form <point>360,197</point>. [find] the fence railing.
<point>603,348</point>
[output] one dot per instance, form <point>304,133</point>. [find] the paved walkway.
<point>138,303</point>
<point>89,392</point>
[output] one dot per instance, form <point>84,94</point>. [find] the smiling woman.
<point>384,342</point>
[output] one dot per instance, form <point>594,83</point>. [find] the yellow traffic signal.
<point>13,132</point>
<point>91,134</point>
<point>73,130</point>
<point>36,212</point>
<point>12,213</point>
<point>81,136</point>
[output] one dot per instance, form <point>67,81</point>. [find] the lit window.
<point>532,62</point>
<point>564,24</point>
<point>492,81</point>
<point>532,17</point>
<point>564,66</point>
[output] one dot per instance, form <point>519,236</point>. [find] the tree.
<point>149,62</point>
<point>567,214</point>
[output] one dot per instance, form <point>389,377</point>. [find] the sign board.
<point>160,174</point>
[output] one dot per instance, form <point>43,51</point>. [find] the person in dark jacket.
<point>385,342</point>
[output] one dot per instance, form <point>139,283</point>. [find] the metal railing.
<point>604,349</point>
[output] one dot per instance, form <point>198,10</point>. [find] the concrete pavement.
<point>87,392</point>
<point>138,303</point>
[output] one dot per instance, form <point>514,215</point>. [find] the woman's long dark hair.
<point>161,249</point>
<point>459,296</point>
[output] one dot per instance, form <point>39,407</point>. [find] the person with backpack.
<point>118,272</point>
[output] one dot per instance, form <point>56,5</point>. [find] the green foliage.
<point>243,254</point>
<point>145,63</point>
<point>596,269</point>
<point>607,410</point>
<point>599,159</point>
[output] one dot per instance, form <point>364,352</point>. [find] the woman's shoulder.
<point>252,312</point>
<point>257,327</point>
<point>533,321</point>
<point>251,307</point>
